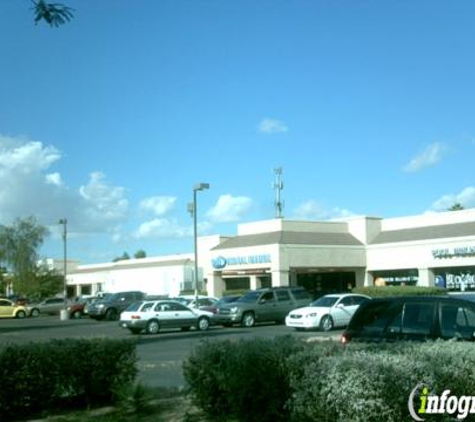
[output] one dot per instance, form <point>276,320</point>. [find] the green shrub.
<point>37,376</point>
<point>244,381</point>
<point>384,291</point>
<point>373,382</point>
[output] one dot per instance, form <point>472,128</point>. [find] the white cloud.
<point>29,187</point>
<point>54,179</point>
<point>312,210</point>
<point>466,198</point>
<point>229,209</point>
<point>104,203</point>
<point>272,126</point>
<point>158,205</point>
<point>431,156</point>
<point>162,228</point>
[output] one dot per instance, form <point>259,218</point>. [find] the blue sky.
<point>110,120</point>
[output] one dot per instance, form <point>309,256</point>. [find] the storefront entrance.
<point>321,283</point>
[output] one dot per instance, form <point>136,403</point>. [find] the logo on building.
<point>221,262</point>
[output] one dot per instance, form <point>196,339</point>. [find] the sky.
<point>110,120</point>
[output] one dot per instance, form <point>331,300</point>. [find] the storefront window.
<point>396,278</point>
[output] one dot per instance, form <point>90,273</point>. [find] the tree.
<point>19,244</point>
<point>55,14</point>
<point>140,254</point>
<point>46,283</point>
<point>456,207</point>
<point>124,256</point>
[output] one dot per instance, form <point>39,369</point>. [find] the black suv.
<point>112,305</point>
<point>262,305</point>
<point>412,318</point>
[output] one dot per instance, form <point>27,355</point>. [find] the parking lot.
<point>160,356</point>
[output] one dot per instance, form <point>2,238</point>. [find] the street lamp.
<point>192,208</point>
<point>64,222</point>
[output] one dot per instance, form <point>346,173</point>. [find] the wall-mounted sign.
<point>221,262</point>
<point>463,280</point>
<point>454,252</point>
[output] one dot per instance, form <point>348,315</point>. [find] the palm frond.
<point>55,14</point>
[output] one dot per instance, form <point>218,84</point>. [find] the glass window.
<point>267,297</point>
<point>417,318</point>
<point>457,321</point>
<point>301,294</point>
<point>283,295</point>
<point>346,301</point>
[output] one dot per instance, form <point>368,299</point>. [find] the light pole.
<point>64,222</point>
<point>193,210</point>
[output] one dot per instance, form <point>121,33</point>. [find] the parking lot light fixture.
<point>64,223</point>
<point>193,210</point>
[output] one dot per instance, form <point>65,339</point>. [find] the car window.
<point>374,318</point>
<point>301,294</point>
<point>417,318</point>
<point>267,297</point>
<point>357,300</point>
<point>146,306</point>
<point>4,303</point>
<point>457,321</point>
<point>283,295</point>
<point>346,301</point>
<point>325,301</point>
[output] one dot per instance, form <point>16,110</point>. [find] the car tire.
<point>76,315</point>
<point>203,323</point>
<point>326,323</point>
<point>248,320</point>
<point>20,314</point>
<point>112,314</point>
<point>35,313</point>
<point>153,327</point>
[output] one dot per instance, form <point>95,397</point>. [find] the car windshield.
<point>134,306</point>
<point>324,302</point>
<point>250,297</point>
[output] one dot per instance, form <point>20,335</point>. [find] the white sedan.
<point>153,316</point>
<point>327,312</point>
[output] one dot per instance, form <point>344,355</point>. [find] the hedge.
<point>37,377</point>
<point>285,380</point>
<point>384,291</point>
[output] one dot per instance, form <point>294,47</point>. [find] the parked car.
<point>163,314</point>
<point>223,301</point>
<point>110,306</point>
<point>9,309</point>
<point>78,309</point>
<point>51,306</point>
<point>190,301</point>
<point>327,312</point>
<point>262,305</point>
<point>412,318</point>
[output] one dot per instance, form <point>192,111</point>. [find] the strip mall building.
<point>323,256</point>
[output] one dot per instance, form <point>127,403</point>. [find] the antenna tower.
<point>278,186</point>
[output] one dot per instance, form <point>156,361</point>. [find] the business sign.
<point>460,251</point>
<point>462,280</point>
<point>221,262</point>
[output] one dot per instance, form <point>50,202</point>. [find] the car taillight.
<point>135,317</point>
<point>345,338</point>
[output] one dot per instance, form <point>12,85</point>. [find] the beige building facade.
<point>323,256</point>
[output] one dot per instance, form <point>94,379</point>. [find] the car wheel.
<point>153,327</point>
<point>20,314</point>
<point>76,315</point>
<point>326,323</point>
<point>203,324</point>
<point>35,313</point>
<point>248,320</point>
<point>112,314</point>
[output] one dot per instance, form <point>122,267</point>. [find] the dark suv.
<point>262,305</point>
<point>112,305</point>
<point>412,318</point>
